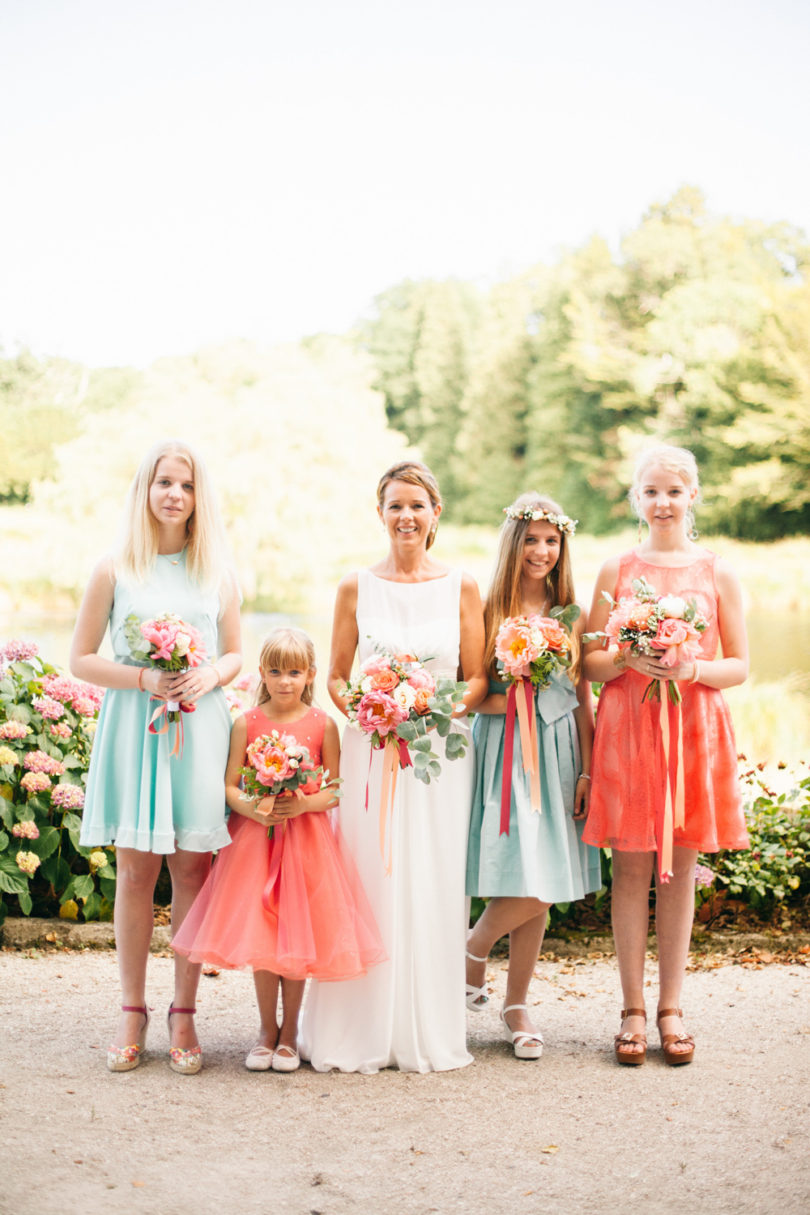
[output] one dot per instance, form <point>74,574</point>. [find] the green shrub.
<point>47,722</point>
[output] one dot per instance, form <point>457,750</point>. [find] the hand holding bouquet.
<point>168,643</point>
<point>396,701</point>
<point>664,627</point>
<point>278,763</point>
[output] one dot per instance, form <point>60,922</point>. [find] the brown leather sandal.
<point>675,1057</point>
<point>623,1043</point>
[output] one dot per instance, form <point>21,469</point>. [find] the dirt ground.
<point>571,1133</point>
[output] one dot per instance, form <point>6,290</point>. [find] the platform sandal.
<point>624,1044</point>
<point>127,1058</point>
<point>675,1058</point>
<point>186,1062</point>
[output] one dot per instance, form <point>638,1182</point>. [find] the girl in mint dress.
<point>542,860</point>
<point>146,801</point>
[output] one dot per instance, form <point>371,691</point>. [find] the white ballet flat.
<point>476,997</point>
<point>520,1039</point>
<point>260,1059</point>
<point>290,1061</point>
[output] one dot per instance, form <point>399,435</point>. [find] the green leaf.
<point>47,843</point>
<point>25,901</point>
<point>407,730</point>
<point>12,883</point>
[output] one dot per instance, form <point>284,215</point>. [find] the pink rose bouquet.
<point>396,701</point>
<point>169,643</point>
<point>665,627</point>
<point>534,647</point>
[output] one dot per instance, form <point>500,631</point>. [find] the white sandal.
<point>476,997</point>
<point>520,1038</point>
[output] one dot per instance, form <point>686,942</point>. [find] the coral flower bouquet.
<point>665,627</point>
<point>397,702</point>
<point>169,643</point>
<point>278,763</point>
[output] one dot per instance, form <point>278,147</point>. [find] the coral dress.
<point>408,1013</point>
<point>138,794</point>
<point>292,904</point>
<point>628,760</point>
<point>543,856</point>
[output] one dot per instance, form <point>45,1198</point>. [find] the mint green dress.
<point>138,795</point>
<point>543,856</point>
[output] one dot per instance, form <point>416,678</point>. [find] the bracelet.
<point>141,673</point>
<point>696,675</point>
<point>583,776</point>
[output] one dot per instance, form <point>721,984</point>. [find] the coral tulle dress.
<point>317,921</point>
<point>628,760</point>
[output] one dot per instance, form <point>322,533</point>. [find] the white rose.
<point>672,607</point>
<point>181,643</point>
<point>365,684</point>
<point>404,695</point>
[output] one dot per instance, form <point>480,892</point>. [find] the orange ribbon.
<point>171,711</point>
<point>522,704</point>
<point>395,756</point>
<point>674,812</point>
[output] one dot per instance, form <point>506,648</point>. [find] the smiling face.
<point>286,686</point>
<point>171,494</point>
<point>541,550</point>
<point>664,498</point>
<point>408,514</point>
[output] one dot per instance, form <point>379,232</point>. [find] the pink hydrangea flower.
<point>84,706</point>
<point>26,830</point>
<point>19,651</point>
<point>14,729</point>
<point>245,683</point>
<point>704,876</point>
<point>65,690</point>
<point>48,707</point>
<point>38,761</point>
<point>60,730</point>
<point>68,797</point>
<point>35,782</point>
<point>29,862</point>
<point>379,713</point>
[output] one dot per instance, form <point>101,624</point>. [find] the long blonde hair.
<point>286,649</point>
<point>206,545</point>
<point>504,599</point>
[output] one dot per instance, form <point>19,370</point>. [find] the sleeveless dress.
<point>138,796</point>
<point>628,764</point>
<point>543,856</point>
<point>317,921</point>
<point>409,1012</point>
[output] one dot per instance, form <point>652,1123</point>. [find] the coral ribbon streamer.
<point>163,710</point>
<point>522,704</point>
<point>268,902</point>
<point>395,756</point>
<point>674,807</point>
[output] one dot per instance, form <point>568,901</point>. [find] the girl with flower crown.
<point>140,797</point>
<point>542,860</point>
<point>644,743</point>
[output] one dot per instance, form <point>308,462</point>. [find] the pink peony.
<point>68,797</point>
<point>379,713</point>
<point>26,830</point>
<point>678,639</point>
<point>272,764</point>
<point>35,782</point>
<point>38,761</point>
<point>514,648</point>
<point>161,635</point>
<point>422,680</point>
<point>48,707</point>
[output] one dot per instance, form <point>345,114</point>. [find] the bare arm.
<point>190,685</point>
<point>732,668</point>
<point>344,640</point>
<point>599,664</point>
<point>471,647</point>
<point>258,810</point>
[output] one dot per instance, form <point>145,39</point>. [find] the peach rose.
<point>552,635</point>
<point>678,639</point>
<point>421,704</point>
<point>384,680</point>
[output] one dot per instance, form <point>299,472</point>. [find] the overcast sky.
<point>183,171</point>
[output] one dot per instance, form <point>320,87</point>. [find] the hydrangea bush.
<point>47,722</point>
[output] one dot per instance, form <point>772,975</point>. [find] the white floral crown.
<point>561,522</point>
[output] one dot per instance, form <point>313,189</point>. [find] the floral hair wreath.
<point>561,522</point>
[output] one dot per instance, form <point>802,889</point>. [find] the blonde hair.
<point>206,546</point>
<point>412,473</point>
<point>677,460</point>
<point>286,649</point>
<point>504,599</point>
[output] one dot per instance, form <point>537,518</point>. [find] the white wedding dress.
<point>407,1012</point>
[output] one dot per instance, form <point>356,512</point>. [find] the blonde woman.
<point>147,802</point>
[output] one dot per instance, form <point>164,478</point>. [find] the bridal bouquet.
<point>396,701</point>
<point>665,627</point>
<point>278,763</point>
<point>529,650</point>
<point>168,643</point>
<point>534,647</point>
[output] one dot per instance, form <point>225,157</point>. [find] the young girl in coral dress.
<point>542,860</point>
<point>629,769</point>
<point>291,907</point>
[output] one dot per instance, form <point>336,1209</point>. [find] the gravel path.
<point>572,1133</point>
